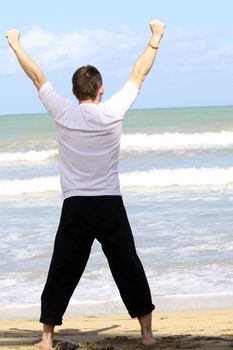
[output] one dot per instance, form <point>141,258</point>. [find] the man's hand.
<point>13,37</point>
<point>157,27</point>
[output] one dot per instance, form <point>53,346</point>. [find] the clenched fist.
<point>157,27</point>
<point>13,37</point>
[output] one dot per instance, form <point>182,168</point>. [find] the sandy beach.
<point>211,329</point>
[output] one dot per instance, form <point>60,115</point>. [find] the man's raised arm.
<point>145,62</point>
<point>29,66</point>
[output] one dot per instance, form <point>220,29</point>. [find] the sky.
<point>194,65</point>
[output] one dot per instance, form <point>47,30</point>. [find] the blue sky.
<point>194,66</point>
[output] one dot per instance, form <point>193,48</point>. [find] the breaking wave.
<point>154,178</point>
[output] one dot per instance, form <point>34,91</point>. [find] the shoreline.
<point>209,329</point>
<point>163,303</point>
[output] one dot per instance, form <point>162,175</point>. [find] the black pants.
<point>82,220</point>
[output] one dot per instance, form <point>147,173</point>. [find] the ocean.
<point>176,174</point>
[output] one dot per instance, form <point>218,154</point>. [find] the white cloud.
<point>57,51</point>
<point>187,52</point>
<point>199,50</point>
<point>37,37</point>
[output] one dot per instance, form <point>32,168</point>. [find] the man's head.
<point>87,84</point>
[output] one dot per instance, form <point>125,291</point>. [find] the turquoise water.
<point>180,119</point>
<point>176,174</point>
<point>160,120</point>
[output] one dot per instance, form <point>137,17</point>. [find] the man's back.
<point>89,140</point>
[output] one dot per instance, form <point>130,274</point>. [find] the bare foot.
<point>44,344</point>
<point>148,345</point>
<point>148,341</point>
<point>47,337</point>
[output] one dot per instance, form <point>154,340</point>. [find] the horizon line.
<point>133,109</point>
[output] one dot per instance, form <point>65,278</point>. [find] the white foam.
<point>149,179</point>
<point>30,156</point>
<point>146,142</point>
<point>36,185</point>
<point>178,177</point>
<point>139,142</point>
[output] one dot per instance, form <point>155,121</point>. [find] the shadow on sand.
<point>71,339</point>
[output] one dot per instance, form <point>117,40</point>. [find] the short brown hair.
<point>86,81</point>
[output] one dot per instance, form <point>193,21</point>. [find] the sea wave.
<point>30,156</point>
<point>35,185</point>
<point>146,142</point>
<point>153,179</point>
<point>139,142</point>
<point>178,177</point>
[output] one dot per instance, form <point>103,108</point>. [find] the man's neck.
<point>89,101</point>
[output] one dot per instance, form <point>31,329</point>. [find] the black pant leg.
<point>71,251</point>
<point>127,270</point>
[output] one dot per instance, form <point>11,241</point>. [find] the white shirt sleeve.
<point>56,105</point>
<point>119,104</point>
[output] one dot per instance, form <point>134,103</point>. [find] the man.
<point>89,141</point>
